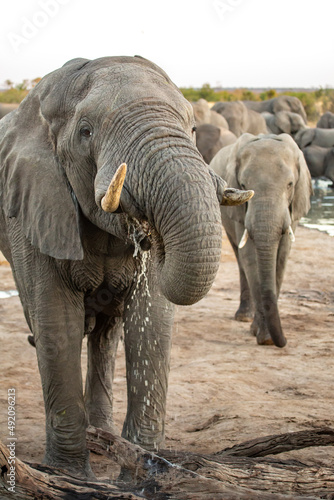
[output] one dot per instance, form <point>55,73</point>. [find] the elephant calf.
<point>261,231</point>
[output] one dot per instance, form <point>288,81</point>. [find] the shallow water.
<point>321,214</point>
<point>8,293</point>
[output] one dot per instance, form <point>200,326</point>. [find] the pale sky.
<point>232,43</point>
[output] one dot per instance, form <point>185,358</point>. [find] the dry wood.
<point>222,476</point>
<point>280,443</point>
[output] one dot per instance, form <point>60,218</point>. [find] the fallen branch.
<point>182,476</point>
<point>280,443</point>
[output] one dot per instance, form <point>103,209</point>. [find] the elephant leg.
<point>56,316</point>
<point>245,311</point>
<point>102,349</point>
<point>148,323</point>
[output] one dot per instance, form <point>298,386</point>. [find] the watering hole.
<point>321,214</point>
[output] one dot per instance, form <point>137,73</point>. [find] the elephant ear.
<point>226,163</point>
<point>36,190</point>
<point>301,203</point>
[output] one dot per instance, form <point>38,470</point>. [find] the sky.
<point>228,43</point>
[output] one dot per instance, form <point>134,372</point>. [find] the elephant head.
<point>61,161</point>
<point>275,169</point>
<point>284,122</point>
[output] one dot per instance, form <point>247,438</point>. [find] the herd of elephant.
<point>110,215</point>
<point>224,122</point>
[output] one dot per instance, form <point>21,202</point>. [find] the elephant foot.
<point>244,313</point>
<point>75,468</point>
<point>264,339</point>
<point>262,336</point>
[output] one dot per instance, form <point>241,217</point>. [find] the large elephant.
<point>74,221</point>
<point>7,108</point>
<point>210,139</point>
<point>315,137</point>
<point>241,119</point>
<point>284,122</point>
<point>326,120</point>
<point>320,161</point>
<point>280,103</point>
<point>261,232</point>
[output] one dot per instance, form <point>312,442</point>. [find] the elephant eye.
<point>194,129</point>
<point>86,132</point>
<point>290,185</point>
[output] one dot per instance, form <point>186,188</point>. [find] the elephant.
<point>261,231</point>
<point>210,139</point>
<point>284,122</point>
<point>315,137</point>
<point>108,216</point>
<point>204,114</point>
<point>7,108</point>
<point>326,120</point>
<point>280,103</point>
<point>320,161</point>
<point>241,119</point>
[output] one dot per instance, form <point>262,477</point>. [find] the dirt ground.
<point>223,387</point>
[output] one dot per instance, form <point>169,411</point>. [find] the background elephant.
<point>210,139</point>
<point>7,108</point>
<point>315,137</point>
<point>204,114</point>
<point>75,224</point>
<point>280,103</point>
<point>320,161</point>
<point>240,119</point>
<point>261,232</point>
<point>326,120</point>
<point>284,122</point>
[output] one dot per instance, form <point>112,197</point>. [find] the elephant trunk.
<point>267,258</point>
<point>266,241</point>
<point>189,222</point>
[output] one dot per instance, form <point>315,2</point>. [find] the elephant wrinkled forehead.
<point>120,84</point>
<point>271,153</point>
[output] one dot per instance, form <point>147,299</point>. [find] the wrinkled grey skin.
<point>241,119</point>
<point>320,161</point>
<point>210,139</point>
<point>284,122</point>
<point>275,169</point>
<point>74,264</point>
<point>7,108</point>
<point>280,103</point>
<point>326,120</point>
<point>315,137</point>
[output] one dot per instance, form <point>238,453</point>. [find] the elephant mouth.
<point>141,235</point>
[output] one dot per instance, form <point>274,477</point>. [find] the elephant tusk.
<point>291,235</point>
<point>244,239</point>
<point>232,197</point>
<point>111,199</point>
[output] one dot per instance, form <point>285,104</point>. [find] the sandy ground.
<point>223,387</point>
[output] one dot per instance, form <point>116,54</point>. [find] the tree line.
<point>315,102</point>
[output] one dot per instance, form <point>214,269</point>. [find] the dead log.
<point>280,443</point>
<point>206,477</point>
<point>173,475</point>
<point>49,483</point>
